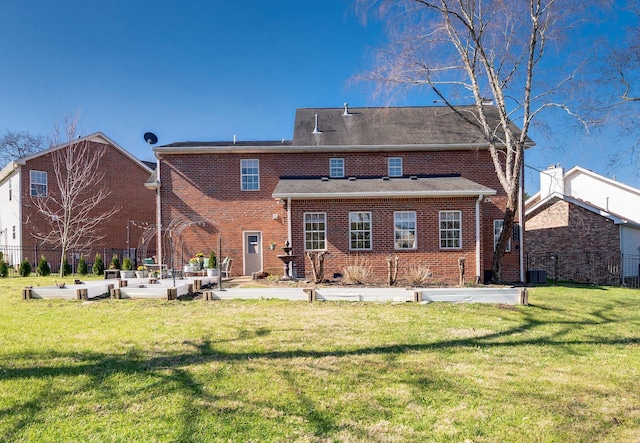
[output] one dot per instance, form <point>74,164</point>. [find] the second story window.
<point>394,168</point>
<point>38,183</point>
<point>250,175</point>
<point>336,167</point>
<point>497,231</point>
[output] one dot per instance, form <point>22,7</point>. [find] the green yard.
<point>565,369</point>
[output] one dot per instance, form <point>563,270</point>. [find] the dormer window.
<point>336,167</point>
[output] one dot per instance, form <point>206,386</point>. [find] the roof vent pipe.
<point>316,130</point>
<point>234,139</point>
<point>346,109</point>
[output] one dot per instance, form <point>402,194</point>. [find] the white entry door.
<point>252,252</point>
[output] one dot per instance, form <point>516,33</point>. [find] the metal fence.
<point>13,255</point>
<point>589,267</point>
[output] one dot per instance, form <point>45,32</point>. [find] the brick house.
<point>583,227</point>
<point>33,176</point>
<point>362,184</point>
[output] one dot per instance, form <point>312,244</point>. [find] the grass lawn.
<point>565,369</point>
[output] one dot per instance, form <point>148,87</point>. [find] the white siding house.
<point>10,207</point>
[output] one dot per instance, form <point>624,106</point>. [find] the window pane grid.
<point>405,230</point>
<point>360,230</point>
<point>250,175</point>
<point>394,167</point>
<point>336,167</point>
<point>38,186</point>
<point>315,231</point>
<point>450,229</point>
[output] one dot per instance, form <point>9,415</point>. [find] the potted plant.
<point>212,269</point>
<point>141,272</point>
<point>200,258</point>
<point>127,268</point>
<point>193,266</point>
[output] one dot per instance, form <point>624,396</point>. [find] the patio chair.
<point>225,267</point>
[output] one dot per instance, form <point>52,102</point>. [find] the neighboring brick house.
<point>33,176</point>
<point>363,184</point>
<point>583,227</point>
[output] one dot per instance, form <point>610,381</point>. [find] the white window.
<point>336,167</point>
<point>250,175</point>
<point>360,230</point>
<point>10,190</point>
<point>450,229</point>
<point>497,230</point>
<point>38,183</point>
<point>315,231</point>
<point>405,230</point>
<point>394,167</point>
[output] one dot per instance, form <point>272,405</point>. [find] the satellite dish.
<point>150,138</point>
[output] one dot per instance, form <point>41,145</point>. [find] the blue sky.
<point>206,70</point>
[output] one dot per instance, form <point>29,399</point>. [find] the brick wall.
<point>206,186</point>
<point>572,243</point>
<point>124,179</point>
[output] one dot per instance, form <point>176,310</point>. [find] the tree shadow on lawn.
<point>173,368</point>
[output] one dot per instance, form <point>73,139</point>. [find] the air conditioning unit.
<point>537,276</point>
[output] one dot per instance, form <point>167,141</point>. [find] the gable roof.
<point>415,125</point>
<point>367,129</point>
<point>411,187</point>
<point>556,196</point>
<point>97,137</point>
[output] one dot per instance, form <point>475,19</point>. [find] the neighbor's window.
<point>394,167</point>
<point>450,229</point>
<point>10,193</point>
<point>497,230</point>
<point>315,231</point>
<point>250,175</point>
<point>38,183</point>
<point>405,230</point>
<point>360,230</point>
<point>13,232</point>
<point>336,167</point>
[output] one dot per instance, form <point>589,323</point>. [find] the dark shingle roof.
<point>434,125</point>
<point>379,188</point>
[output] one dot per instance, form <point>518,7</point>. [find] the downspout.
<point>289,220</point>
<point>158,215</point>
<point>478,238</point>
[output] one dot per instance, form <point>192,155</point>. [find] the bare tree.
<point>471,50</point>
<point>14,145</point>
<point>73,206</point>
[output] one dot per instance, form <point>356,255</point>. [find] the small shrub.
<point>213,260</point>
<point>115,262</point>
<point>418,275</point>
<point>4,269</point>
<point>25,268</point>
<point>358,272</point>
<point>43,268</point>
<point>98,265</point>
<point>127,264</point>
<point>82,266</point>
<point>66,267</point>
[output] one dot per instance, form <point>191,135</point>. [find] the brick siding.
<point>124,179</point>
<point>206,186</point>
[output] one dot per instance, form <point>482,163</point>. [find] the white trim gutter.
<point>394,194</point>
<point>286,148</point>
